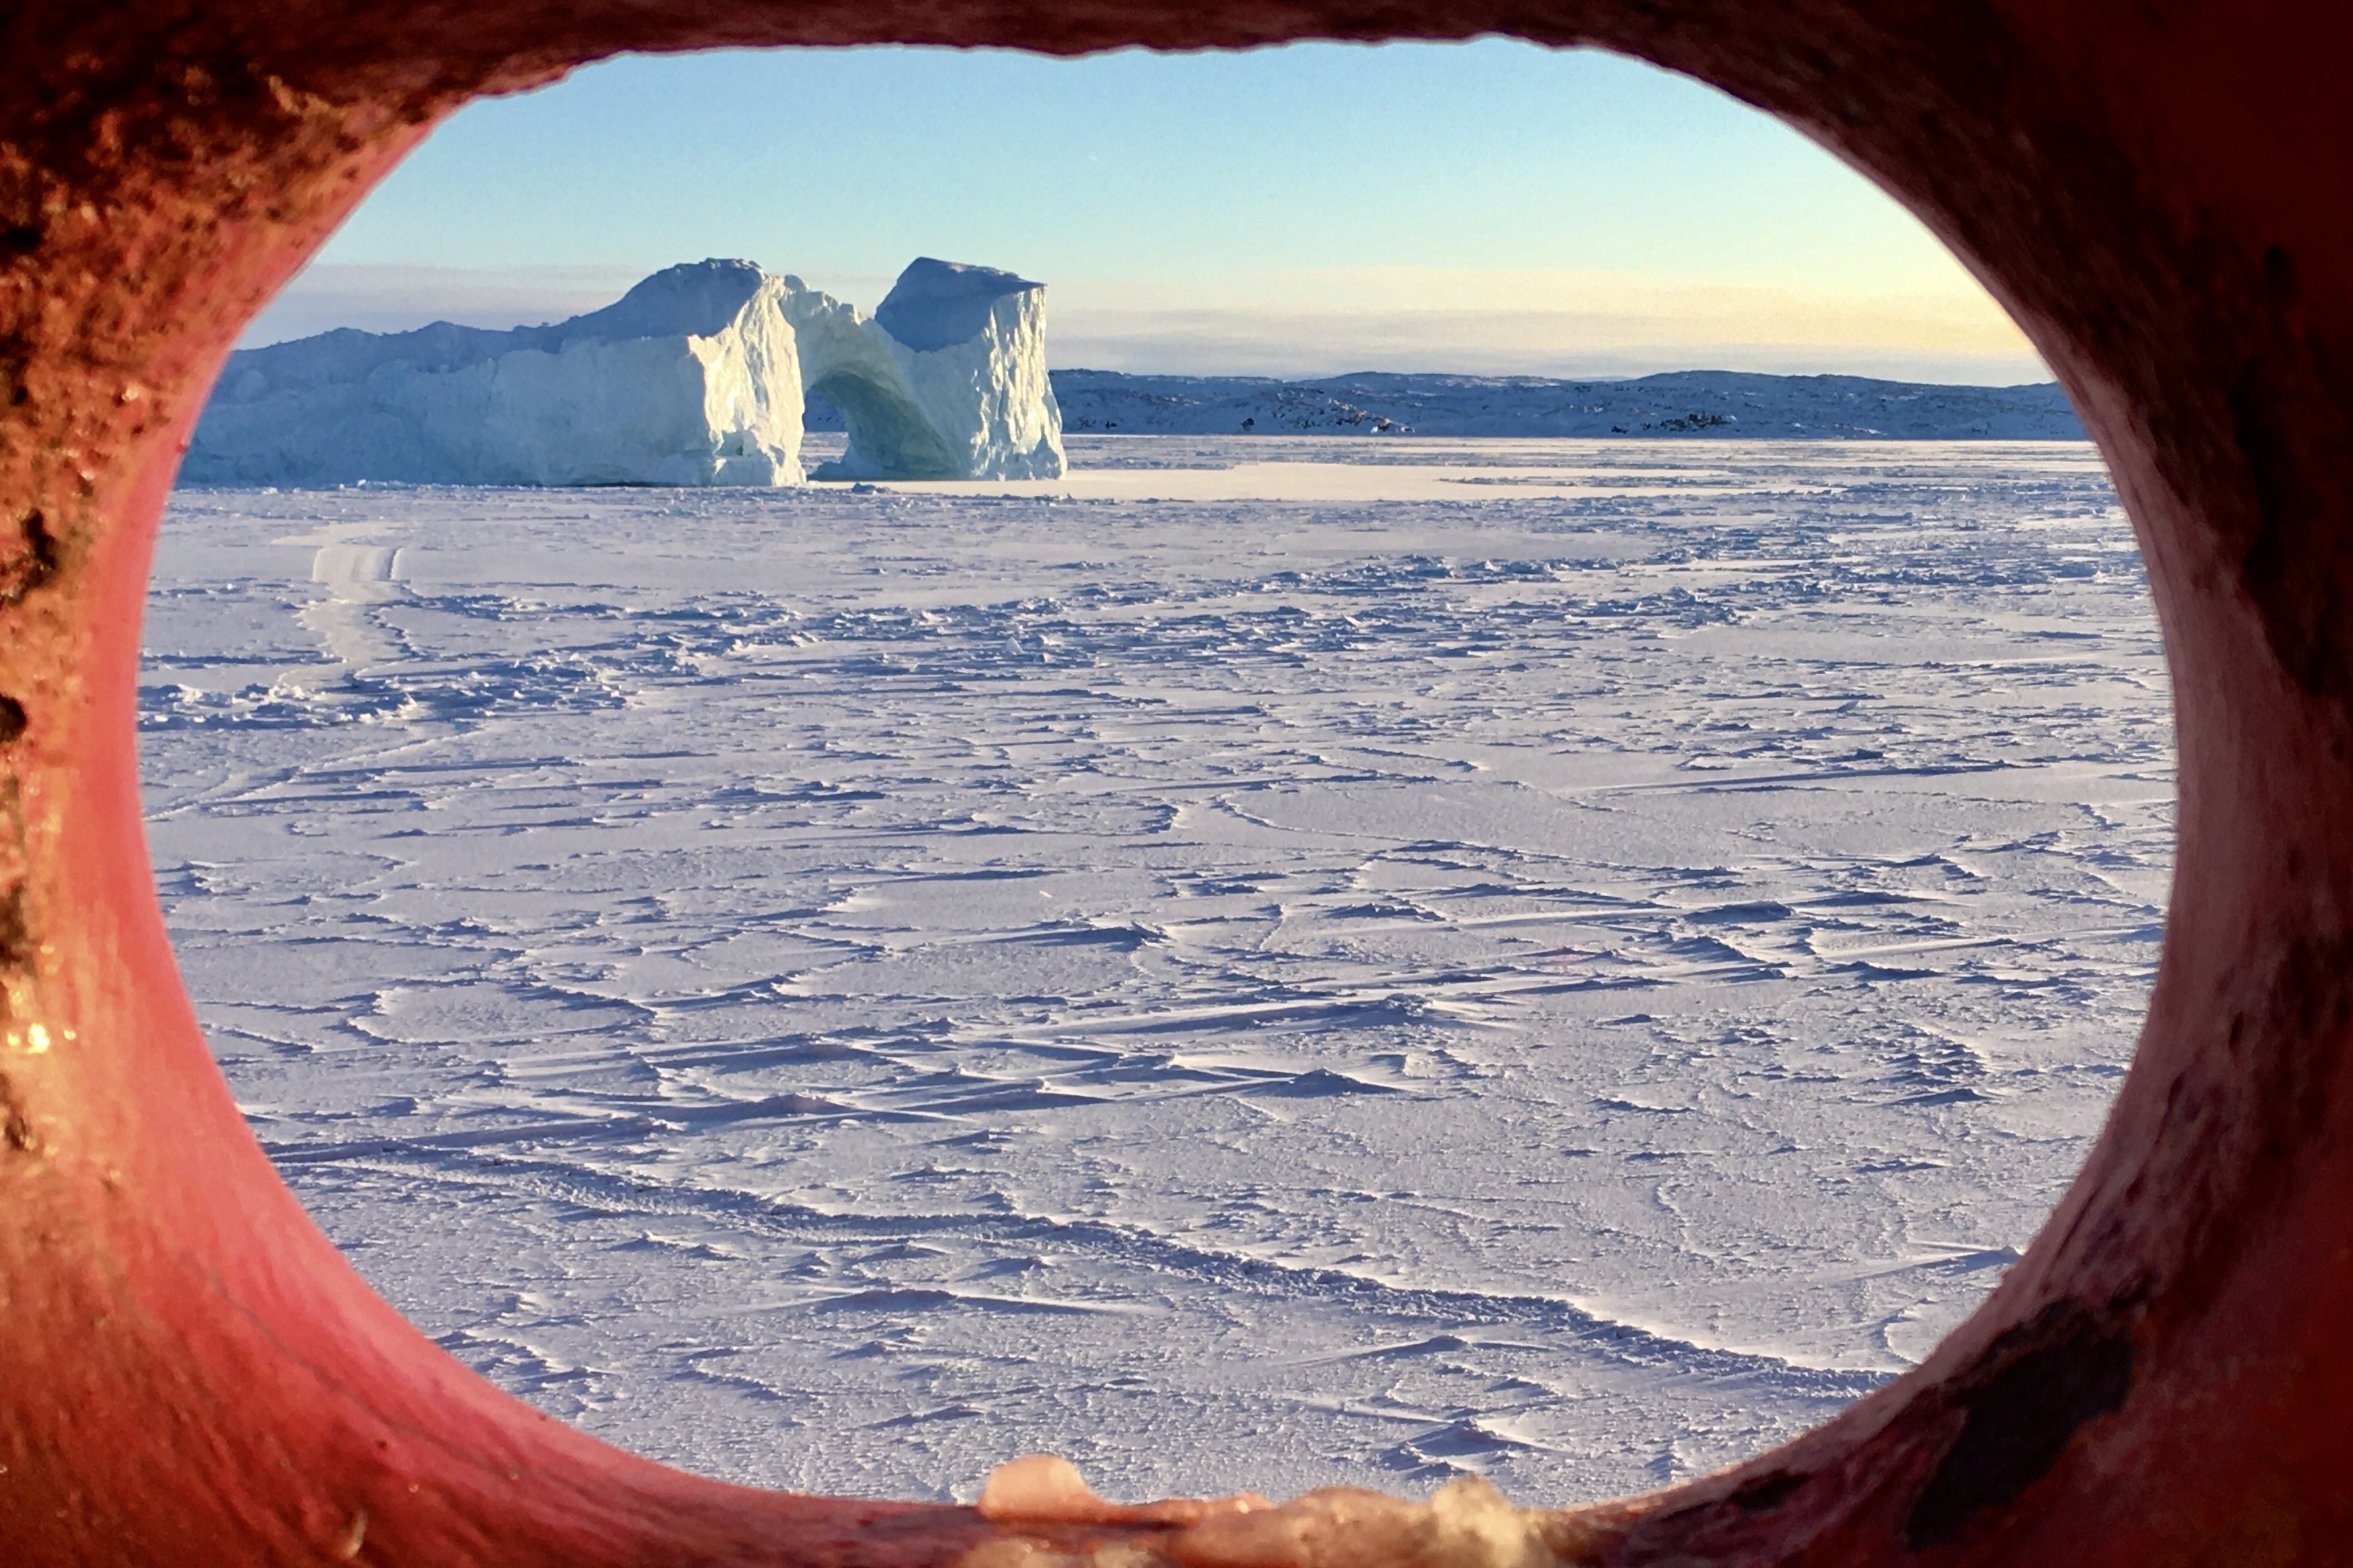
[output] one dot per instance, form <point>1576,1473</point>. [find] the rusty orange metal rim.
<point>189,1373</point>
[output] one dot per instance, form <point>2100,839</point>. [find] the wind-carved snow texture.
<point>945,381</point>
<point>689,379</point>
<point>1571,980</point>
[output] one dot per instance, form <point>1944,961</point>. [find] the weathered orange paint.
<point>2156,189</point>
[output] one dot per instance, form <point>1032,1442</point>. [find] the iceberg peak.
<point>937,304</point>
<point>693,299</point>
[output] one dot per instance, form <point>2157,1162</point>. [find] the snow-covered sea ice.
<point>1255,965</point>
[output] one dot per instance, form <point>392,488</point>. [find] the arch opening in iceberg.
<point>946,380</point>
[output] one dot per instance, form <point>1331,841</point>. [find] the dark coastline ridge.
<point>1705,403</point>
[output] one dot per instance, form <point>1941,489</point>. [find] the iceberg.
<point>945,381</point>
<point>696,376</point>
<point>692,378</point>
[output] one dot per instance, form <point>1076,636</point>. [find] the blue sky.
<point>1485,206</point>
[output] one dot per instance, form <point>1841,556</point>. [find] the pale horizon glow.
<point>1493,209</point>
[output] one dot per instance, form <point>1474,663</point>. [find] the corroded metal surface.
<point>189,1373</point>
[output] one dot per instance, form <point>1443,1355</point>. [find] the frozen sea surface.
<point>1270,963</point>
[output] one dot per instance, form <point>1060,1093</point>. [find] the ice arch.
<point>191,1375</point>
<point>945,381</point>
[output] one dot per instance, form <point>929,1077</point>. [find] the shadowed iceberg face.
<point>889,437</point>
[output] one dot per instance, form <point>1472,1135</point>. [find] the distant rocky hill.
<point>1700,402</point>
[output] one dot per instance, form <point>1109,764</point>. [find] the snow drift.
<point>692,378</point>
<point>945,381</point>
